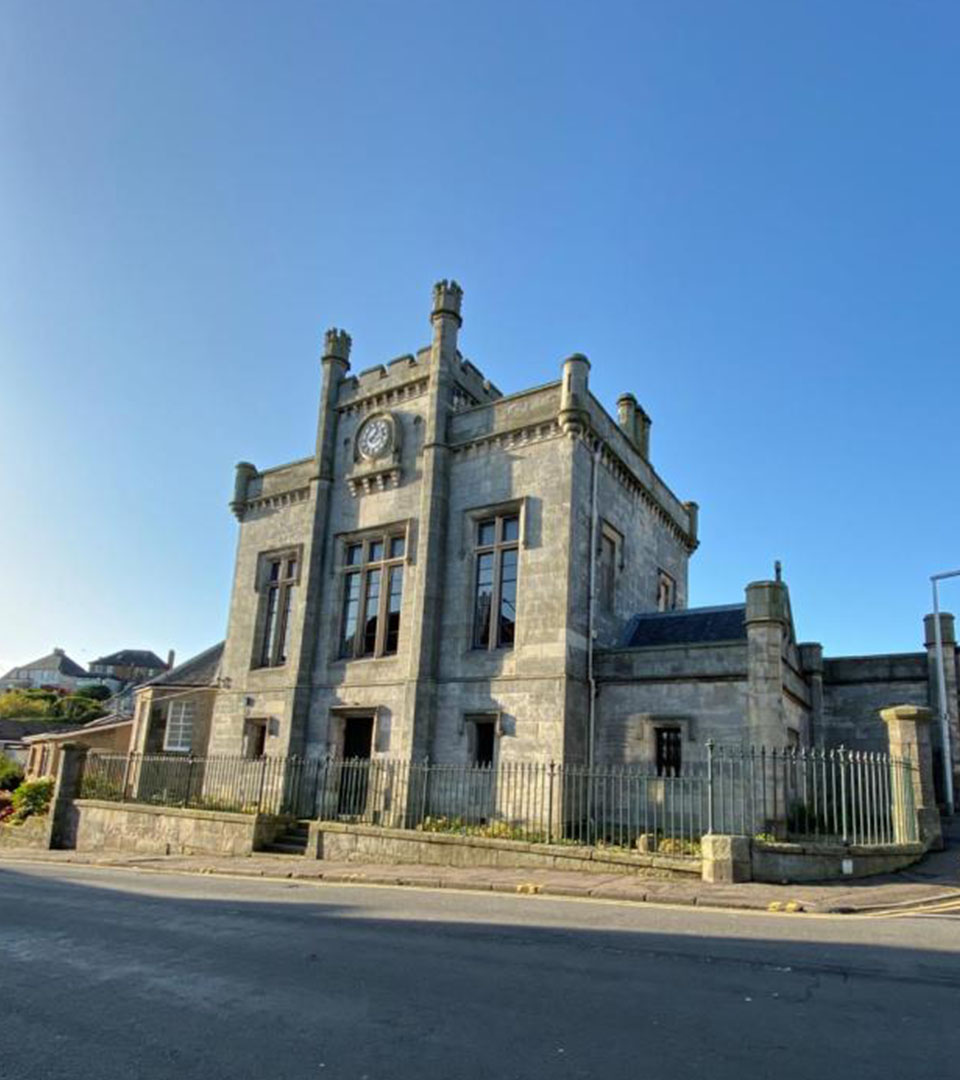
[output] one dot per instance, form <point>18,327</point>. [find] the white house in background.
<point>56,671</point>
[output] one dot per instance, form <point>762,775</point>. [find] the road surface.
<point>117,974</point>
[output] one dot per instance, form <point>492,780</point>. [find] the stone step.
<point>283,847</point>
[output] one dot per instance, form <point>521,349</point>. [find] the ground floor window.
<point>255,745</point>
<point>179,733</point>
<point>669,746</point>
<point>482,738</point>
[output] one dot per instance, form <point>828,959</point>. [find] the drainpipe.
<point>591,603</point>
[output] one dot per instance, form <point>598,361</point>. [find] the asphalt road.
<point>116,974</point>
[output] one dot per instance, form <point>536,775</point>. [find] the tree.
<point>11,773</point>
<point>15,704</point>
<point>97,693</point>
<point>77,709</point>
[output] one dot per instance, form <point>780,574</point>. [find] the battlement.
<point>384,377</point>
<point>447,300</point>
<point>474,383</point>
<point>336,345</point>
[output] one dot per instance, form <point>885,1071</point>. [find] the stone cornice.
<point>383,399</point>
<point>374,480</point>
<point>628,479</point>
<point>274,500</point>
<point>523,435</point>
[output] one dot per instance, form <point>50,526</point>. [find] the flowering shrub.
<point>32,797</point>
<point>495,830</point>
<point>675,846</point>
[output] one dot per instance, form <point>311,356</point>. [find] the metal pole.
<point>591,606</point>
<point>942,690</point>
<point>709,786</point>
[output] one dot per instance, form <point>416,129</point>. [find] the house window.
<point>668,751</point>
<point>372,595</point>
<point>179,734</point>
<point>279,576</point>
<point>666,592</point>
<point>495,582</point>
<point>608,563</point>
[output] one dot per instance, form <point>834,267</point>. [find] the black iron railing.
<point>833,796</point>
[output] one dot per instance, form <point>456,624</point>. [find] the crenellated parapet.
<point>336,345</point>
<point>447,301</point>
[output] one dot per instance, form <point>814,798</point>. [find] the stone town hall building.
<point>464,575</point>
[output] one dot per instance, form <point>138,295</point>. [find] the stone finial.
<point>642,425</point>
<point>811,657</point>
<point>336,345</point>
<point>767,602</point>
<point>626,410</point>
<point>574,394</point>
<point>948,634</point>
<point>245,473</point>
<point>693,517</point>
<point>447,298</point>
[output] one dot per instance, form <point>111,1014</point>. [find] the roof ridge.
<point>680,612</point>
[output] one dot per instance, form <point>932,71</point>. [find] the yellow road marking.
<point>917,909</point>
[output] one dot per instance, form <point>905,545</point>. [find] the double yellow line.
<point>937,907</point>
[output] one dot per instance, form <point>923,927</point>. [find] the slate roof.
<point>55,661</point>
<point>14,730</point>
<point>725,623</point>
<point>142,658</point>
<point>58,731</point>
<point>199,670</point>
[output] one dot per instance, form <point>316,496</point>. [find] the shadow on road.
<point>175,976</point>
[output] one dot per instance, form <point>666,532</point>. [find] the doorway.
<point>357,738</point>
<point>355,770</point>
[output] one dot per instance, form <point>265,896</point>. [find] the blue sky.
<point>745,213</point>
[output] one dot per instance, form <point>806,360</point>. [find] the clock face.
<point>374,438</point>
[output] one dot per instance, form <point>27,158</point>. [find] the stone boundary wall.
<point>776,863</point>
<point>96,825</point>
<point>32,833</point>
<point>371,844</point>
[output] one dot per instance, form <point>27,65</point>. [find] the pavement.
<point>117,973</point>
<point>935,880</point>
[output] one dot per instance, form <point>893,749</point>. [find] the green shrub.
<point>492,830</point>
<point>96,693</point>
<point>670,845</point>
<point>11,773</point>
<point>101,787</point>
<point>32,797</point>
<point>79,709</point>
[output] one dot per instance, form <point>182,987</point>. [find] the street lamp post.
<point>935,580</point>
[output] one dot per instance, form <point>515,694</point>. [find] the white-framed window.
<point>179,733</point>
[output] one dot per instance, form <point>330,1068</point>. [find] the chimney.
<point>171,656</point>
<point>634,423</point>
<point>641,436</point>
<point>626,411</point>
